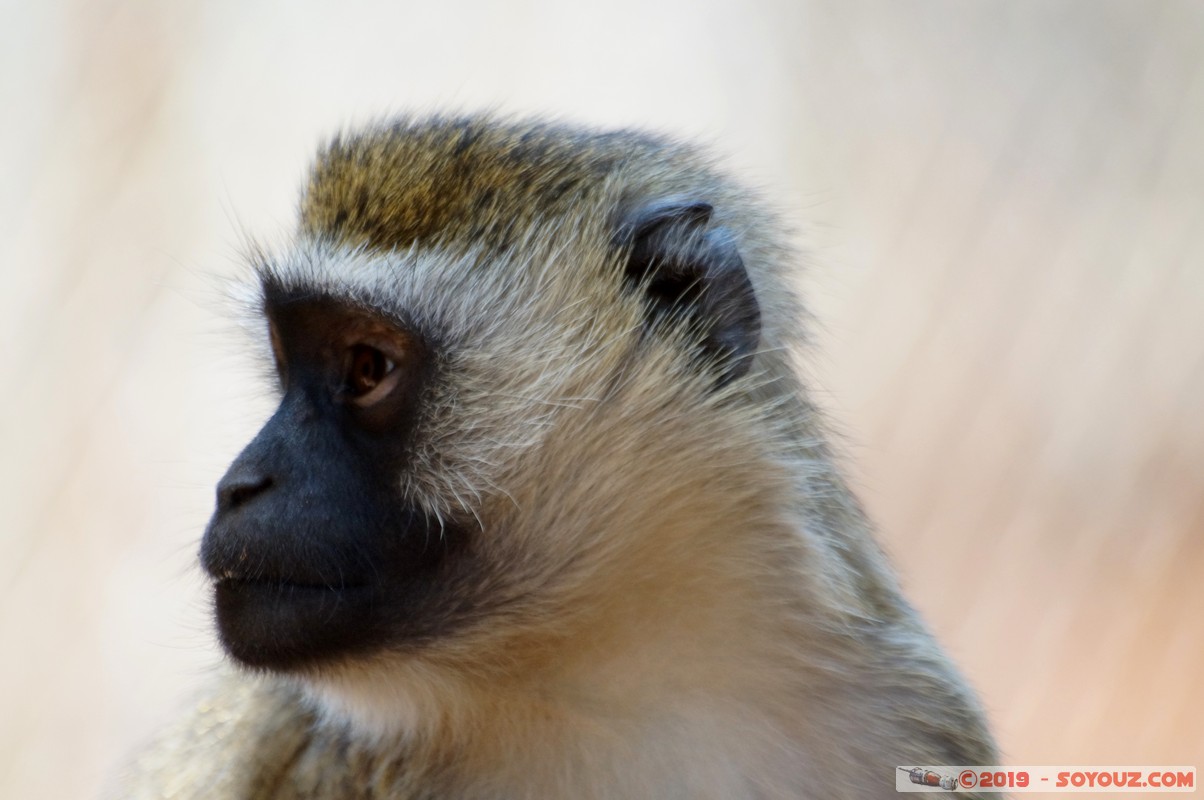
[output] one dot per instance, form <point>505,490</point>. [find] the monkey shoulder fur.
<point>545,511</point>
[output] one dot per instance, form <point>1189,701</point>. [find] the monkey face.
<point>453,442</point>
<point>400,491</point>
<point>313,550</point>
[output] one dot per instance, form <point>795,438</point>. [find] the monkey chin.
<point>280,626</point>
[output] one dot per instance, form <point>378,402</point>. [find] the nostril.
<point>235,490</point>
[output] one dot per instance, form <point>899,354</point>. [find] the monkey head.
<point>519,404</point>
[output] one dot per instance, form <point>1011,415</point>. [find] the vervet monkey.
<point>545,510</point>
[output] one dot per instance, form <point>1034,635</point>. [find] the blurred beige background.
<point>1004,206</point>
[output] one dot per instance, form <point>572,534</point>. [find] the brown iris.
<point>367,367</point>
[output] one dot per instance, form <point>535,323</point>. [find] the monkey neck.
<point>672,655</point>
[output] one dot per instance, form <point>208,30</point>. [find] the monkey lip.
<point>226,579</point>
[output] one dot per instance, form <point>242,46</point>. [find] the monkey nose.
<point>238,486</point>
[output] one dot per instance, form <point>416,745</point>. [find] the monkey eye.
<point>369,375</point>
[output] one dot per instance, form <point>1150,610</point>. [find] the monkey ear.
<point>684,265</point>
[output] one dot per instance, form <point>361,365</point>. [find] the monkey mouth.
<point>268,598</point>
<point>288,609</point>
<point>229,578</point>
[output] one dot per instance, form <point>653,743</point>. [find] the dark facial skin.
<point>313,551</point>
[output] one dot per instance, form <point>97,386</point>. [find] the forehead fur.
<point>471,179</point>
<point>494,190</point>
